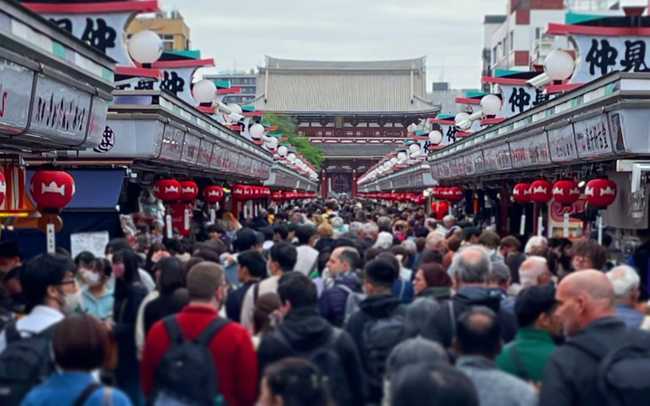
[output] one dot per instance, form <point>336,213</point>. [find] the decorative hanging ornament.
<point>52,189</point>
<point>213,194</point>
<point>600,193</point>
<point>189,191</point>
<point>521,193</point>
<point>540,191</point>
<point>566,192</point>
<point>455,194</point>
<point>167,190</point>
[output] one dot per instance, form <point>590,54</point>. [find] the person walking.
<point>229,345</point>
<point>80,345</point>
<point>573,376</point>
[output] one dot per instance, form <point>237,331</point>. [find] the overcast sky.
<point>239,33</point>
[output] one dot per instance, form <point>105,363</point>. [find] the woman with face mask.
<point>129,293</point>
<point>97,298</point>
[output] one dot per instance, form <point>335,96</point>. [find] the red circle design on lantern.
<point>167,190</point>
<point>540,191</point>
<point>189,190</point>
<point>600,192</point>
<point>440,209</point>
<point>52,189</point>
<point>213,194</point>
<point>566,192</point>
<point>455,194</point>
<point>521,193</point>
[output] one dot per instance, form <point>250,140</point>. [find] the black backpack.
<point>328,362</point>
<point>187,375</point>
<point>379,337</point>
<point>25,363</point>
<point>623,372</point>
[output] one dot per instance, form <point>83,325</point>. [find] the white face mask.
<point>72,302</point>
<point>91,278</point>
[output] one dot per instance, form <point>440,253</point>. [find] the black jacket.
<point>305,331</point>
<point>235,301</point>
<point>570,376</point>
<point>442,329</point>
<point>161,307</point>
<point>371,309</point>
<point>333,300</point>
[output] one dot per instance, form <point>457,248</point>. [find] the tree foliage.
<point>289,130</point>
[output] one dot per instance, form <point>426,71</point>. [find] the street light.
<point>283,151</point>
<point>204,91</point>
<point>257,131</point>
<point>145,47</point>
<point>558,65</point>
<point>435,137</point>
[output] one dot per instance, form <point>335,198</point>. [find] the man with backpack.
<point>602,361</point>
<point>25,357</point>
<point>470,270</point>
<point>174,362</point>
<point>379,324</point>
<point>304,333</point>
<point>342,266</point>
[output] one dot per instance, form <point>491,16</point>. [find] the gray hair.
<point>384,240</point>
<point>355,227</point>
<point>471,264</point>
<point>534,244</point>
<point>531,269</point>
<point>410,246</point>
<point>416,350</point>
<point>499,272</point>
<point>625,280</point>
<point>370,228</point>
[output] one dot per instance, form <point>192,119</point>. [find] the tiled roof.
<point>343,87</point>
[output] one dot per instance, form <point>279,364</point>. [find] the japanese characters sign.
<point>15,95</point>
<point>517,99</point>
<point>562,144</point>
<point>530,151</point>
<point>599,56</point>
<point>593,137</point>
<point>104,32</point>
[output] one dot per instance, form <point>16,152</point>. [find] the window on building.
<point>168,41</point>
<point>494,55</point>
<point>538,33</point>
<point>512,39</point>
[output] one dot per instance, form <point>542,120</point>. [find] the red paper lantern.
<point>540,191</point>
<point>189,190</point>
<point>213,194</point>
<point>3,187</point>
<point>521,193</point>
<point>52,189</point>
<point>455,194</point>
<point>566,192</point>
<point>600,193</point>
<point>440,209</point>
<point>167,190</point>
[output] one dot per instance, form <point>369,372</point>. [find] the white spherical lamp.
<point>291,157</point>
<point>401,156</point>
<point>256,131</point>
<point>435,137</point>
<point>272,143</point>
<point>462,121</point>
<point>490,105</point>
<point>283,151</point>
<point>412,127</point>
<point>559,65</point>
<point>393,161</point>
<point>145,47</point>
<point>204,91</point>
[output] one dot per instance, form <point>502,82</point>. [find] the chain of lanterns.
<point>558,66</point>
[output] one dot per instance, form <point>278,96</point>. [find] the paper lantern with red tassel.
<point>51,189</point>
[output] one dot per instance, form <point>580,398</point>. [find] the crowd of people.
<point>345,302</point>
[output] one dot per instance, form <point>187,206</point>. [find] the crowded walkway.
<point>329,302</point>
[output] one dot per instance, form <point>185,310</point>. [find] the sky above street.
<point>238,34</point>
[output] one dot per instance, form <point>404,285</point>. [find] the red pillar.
<point>323,185</point>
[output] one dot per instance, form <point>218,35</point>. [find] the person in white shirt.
<point>307,261</point>
<point>282,259</point>
<point>48,283</point>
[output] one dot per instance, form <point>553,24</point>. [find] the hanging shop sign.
<point>562,144</point>
<point>530,151</point>
<point>15,96</point>
<point>593,137</point>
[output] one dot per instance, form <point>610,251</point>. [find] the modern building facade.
<point>245,82</point>
<point>170,26</point>
<point>356,112</point>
